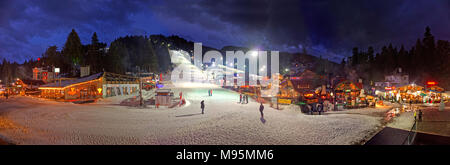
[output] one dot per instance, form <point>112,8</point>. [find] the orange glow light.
<point>72,91</point>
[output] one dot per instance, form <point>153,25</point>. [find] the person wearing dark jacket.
<point>202,106</point>
<point>240,98</point>
<point>261,109</point>
<point>246,99</point>
<point>420,115</point>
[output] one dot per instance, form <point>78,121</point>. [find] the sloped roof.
<point>307,74</point>
<point>34,82</point>
<point>76,81</point>
<point>347,84</point>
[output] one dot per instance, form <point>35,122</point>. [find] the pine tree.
<point>73,51</point>
<point>94,54</point>
<point>370,54</point>
<point>355,54</point>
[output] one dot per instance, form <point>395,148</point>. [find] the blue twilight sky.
<point>330,28</point>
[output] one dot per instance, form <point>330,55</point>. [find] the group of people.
<point>243,99</point>
<point>210,92</point>
<point>261,106</point>
<point>420,115</point>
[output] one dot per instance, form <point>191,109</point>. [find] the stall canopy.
<point>347,86</point>
<point>436,89</point>
<point>410,87</point>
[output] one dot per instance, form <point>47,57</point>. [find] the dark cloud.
<point>28,27</point>
<point>328,28</point>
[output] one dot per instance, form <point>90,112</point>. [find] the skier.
<point>261,109</point>
<point>210,91</point>
<point>415,114</point>
<point>240,98</point>
<point>202,106</point>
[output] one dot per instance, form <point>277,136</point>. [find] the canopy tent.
<point>410,87</point>
<point>347,86</point>
<point>436,89</point>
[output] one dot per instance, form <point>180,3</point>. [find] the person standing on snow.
<point>246,99</point>
<point>240,98</point>
<point>261,109</point>
<point>202,106</point>
<point>420,115</point>
<point>415,114</point>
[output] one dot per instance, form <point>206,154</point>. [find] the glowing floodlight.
<point>254,53</point>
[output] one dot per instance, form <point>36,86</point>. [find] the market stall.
<point>346,94</point>
<point>411,93</point>
<point>434,94</point>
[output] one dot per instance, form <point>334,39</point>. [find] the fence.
<point>411,135</point>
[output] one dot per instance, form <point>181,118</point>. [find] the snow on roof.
<point>76,81</point>
<point>163,90</point>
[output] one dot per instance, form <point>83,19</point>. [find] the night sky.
<point>327,28</point>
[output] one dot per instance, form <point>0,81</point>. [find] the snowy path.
<point>224,122</point>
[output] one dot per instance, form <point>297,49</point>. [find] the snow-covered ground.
<point>26,120</point>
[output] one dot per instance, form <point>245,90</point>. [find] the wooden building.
<point>91,87</point>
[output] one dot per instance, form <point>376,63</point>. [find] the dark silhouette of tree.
<point>426,60</point>
<point>73,52</point>
<point>95,54</point>
<point>355,54</point>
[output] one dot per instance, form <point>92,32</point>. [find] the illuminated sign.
<point>56,70</point>
<point>284,101</point>
<point>431,83</point>
<point>72,91</point>
<point>309,95</point>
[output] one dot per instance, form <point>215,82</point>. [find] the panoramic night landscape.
<point>231,72</point>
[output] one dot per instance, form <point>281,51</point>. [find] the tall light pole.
<point>140,87</point>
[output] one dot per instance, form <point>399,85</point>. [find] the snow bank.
<point>224,122</point>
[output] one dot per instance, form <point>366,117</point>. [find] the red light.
<point>39,59</point>
<point>431,83</point>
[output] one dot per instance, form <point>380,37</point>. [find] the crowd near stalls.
<point>411,93</point>
<point>434,94</point>
<point>103,84</point>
